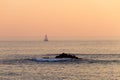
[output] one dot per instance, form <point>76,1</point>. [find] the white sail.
<point>46,39</point>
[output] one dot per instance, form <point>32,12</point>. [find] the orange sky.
<point>62,18</point>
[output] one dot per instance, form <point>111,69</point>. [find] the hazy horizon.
<point>54,38</point>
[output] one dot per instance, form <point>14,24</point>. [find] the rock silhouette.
<point>65,55</point>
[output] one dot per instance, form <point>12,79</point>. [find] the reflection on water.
<point>98,69</point>
<point>60,71</point>
<point>103,63</point>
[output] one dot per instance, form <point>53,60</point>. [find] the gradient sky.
<point>70,19</point>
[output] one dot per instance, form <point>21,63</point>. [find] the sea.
<point>102,60</point>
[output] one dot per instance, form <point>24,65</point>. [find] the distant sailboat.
<point>46,38</point>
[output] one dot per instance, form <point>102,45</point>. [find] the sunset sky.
<point>66,19</point>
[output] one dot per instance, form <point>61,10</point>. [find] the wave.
<point>66,60</point>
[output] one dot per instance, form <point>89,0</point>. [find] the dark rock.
<point>65,55</point>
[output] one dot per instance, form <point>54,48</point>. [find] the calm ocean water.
<point>104,61</point>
